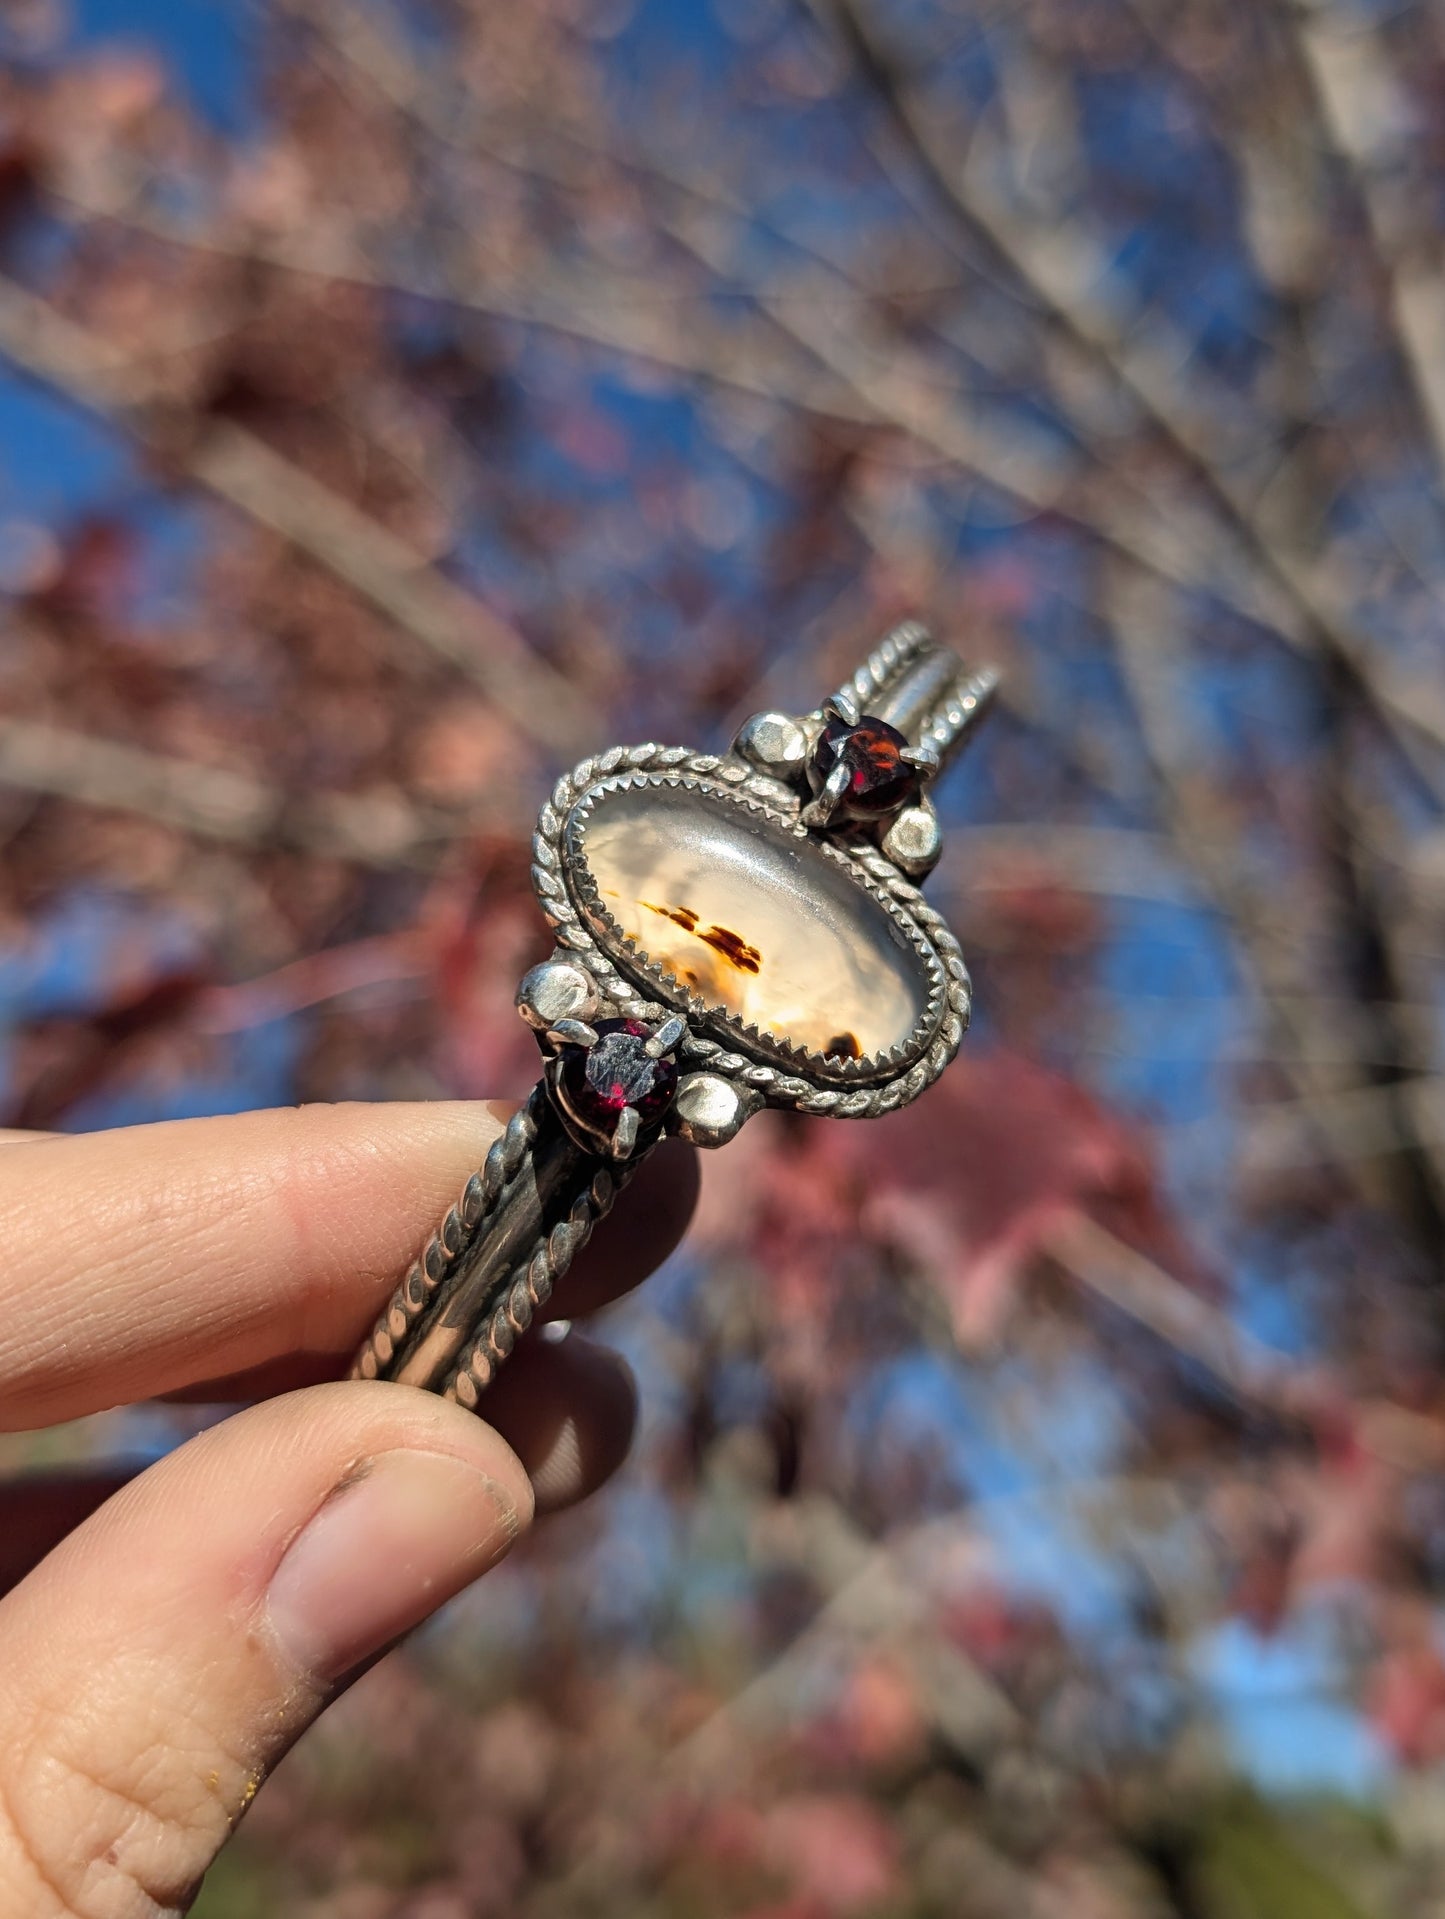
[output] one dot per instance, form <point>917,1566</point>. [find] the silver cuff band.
<point>492,1264</point>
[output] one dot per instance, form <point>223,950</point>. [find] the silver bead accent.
<point>774,744</point>
<point>556,991</point>
<point>914,840</point>
<point>710,1110</point>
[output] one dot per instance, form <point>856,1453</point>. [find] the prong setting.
<point>881,776</point>
<point>572,1032</point>
<point>614,1083</point>
<point>665,1039</point>
<point>842,706</point>
<point>819,813</point>
<point>625,1137</point>
<point>923,759</point>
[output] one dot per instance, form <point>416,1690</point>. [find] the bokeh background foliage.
<point>1039,1507</point>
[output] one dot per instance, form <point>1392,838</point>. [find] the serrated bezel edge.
<point>782,1074</point>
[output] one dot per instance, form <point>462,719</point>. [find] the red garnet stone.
<point>879,779</point>
<point>601,1080</point>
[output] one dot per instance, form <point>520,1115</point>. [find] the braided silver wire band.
<point>469,1337</point>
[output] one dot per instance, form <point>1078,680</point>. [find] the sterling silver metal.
<point>493,1262</point>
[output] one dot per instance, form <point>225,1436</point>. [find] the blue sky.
<point>205,43</point>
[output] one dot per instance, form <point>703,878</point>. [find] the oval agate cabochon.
<point>757,922</point>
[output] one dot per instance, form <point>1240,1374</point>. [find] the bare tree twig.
<point>1385,971</point>
<point>1319,1067</point>
<point>243,470</point>
<point>1139,1287</point>
<point>896,389</point>
<point>870,1594</point>
<point>361,965</point>
<point>1275,127</point>
<point>878,1589</point>
<point>1342,1033</point>
<point>1253,1372</point>
<point>1282,1133</point>
<point>1063,271</point>
<point>1364,113</point>
<point>844,384</point>
<point>1116,862</point>
<point>595,309</point>
<point>1343,73</point>
<point>892,386</point>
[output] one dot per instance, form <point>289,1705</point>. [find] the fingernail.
<point>404,1533</point>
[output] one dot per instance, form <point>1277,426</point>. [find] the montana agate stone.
<point>755,921</point>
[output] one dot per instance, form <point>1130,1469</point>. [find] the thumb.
<point>160,1661</point>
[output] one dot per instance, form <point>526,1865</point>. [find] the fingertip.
<point>163,1657</point>
<point>386,1417</point>
<point>402,1533</point>
<point>204,1248</point>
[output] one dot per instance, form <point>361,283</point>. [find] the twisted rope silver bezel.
<point>803,1082</point>
<point>885,664</point>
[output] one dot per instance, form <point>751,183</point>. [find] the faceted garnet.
<point>879,779</point>
<point>601,1080</point>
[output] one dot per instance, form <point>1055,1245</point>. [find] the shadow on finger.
<point>568,1409</point>
<point>642,1230</point>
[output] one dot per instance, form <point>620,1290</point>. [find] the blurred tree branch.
<point>892,390</point>
<point>241,469</point>
<point>383,830</point>
<point>825,312</point>
<point>1064,273</point>
<point>870,1590</point>
<point>1366,118</point>
<point>1251,1372</point>
<point>1318,1059</point>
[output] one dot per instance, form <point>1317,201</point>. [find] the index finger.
<point>141,1261</point>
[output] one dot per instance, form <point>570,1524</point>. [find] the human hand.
<point>161,1658</point>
